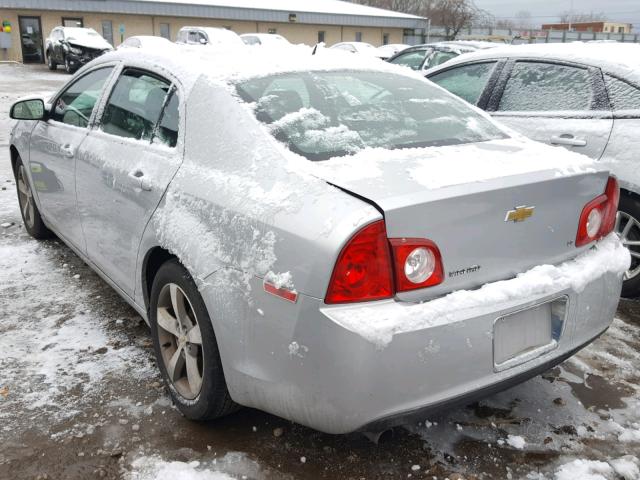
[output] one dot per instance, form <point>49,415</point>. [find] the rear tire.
<point>50,62</point>
<point>628,227</point>
<point>186,347</point>
<point>28,209</point>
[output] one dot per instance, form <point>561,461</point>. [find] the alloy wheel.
<point>628,229</point>
<point>25,198</point>
<point>180,341</point>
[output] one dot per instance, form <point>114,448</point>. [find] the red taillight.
<point>418,263</point>
<point>363,270</point>
<point>598,217</point>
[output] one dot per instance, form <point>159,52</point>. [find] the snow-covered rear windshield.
<point>321,115</point>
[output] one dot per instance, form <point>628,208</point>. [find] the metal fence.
<point>437,34</point>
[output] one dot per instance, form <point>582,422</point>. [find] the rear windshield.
<point>321,115</point>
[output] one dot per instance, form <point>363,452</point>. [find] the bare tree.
<point>505,24</point>
<point>453,15</point>
<point>566,17</point>
<point>523,20</point>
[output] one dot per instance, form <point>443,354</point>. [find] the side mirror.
<point>203,41</point>
<point>31,109</point>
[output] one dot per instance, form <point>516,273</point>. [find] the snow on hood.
<point>85,37</point>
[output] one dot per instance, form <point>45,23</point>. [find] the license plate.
<point>526,334</point>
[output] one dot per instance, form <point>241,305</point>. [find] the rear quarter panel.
<point>237,210</point>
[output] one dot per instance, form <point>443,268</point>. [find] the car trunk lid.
<point>486,230</point>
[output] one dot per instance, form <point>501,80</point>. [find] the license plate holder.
<point>523,335</point>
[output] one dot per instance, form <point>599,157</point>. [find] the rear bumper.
<point>422,413</point>
<point>300,362</point>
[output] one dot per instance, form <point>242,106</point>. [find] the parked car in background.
<point>146,41</point>
<point>73,47</point>
<point>387,51</point>
<point>265,39</point>
<point>428,55</point>
<point>358,47</point>
<point>328,238</point>
<point>208,36</point>
<point>581,96</point>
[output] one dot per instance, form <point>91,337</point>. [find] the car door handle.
<point>67,150</point>
<point>137,178</point>
<point>568,139</point>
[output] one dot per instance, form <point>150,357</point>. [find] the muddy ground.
<point>80,396</point>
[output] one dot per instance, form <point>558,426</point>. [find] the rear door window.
<point>413,60</point>
<point>468,81</point>
<point>134,107</point>
<point>538,86</point>
<point>622,95</point>
<point>439,57</point>
<point>75,105</point>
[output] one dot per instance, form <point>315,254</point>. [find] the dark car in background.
<point>73,47</point>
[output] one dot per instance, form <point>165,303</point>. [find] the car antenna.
<point>320,44</point>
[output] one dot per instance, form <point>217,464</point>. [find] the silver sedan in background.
<point>326,237</point>
<point>584,97</point>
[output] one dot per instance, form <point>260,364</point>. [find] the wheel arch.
<point>153,260</point>
<point>15,155</point>
<point>629,192</point>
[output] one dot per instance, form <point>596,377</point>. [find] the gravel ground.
<point>80,396</point>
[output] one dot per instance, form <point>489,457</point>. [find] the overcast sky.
<point>547,11</point>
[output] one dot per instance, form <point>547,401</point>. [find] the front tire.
<point>628,228</point>
<point>28,209</point>
<point>185,345</point>
<point>67,65</point>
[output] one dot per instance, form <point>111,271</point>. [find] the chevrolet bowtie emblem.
<point>519,214</point>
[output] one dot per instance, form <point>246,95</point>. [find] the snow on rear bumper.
<point>338,380</point>
<point>392,318</point>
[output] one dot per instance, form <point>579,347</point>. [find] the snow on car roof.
<point>618,58</point>
<point>229,63</point>
<point>335,7</point>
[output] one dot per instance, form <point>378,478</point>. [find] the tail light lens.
<point>363,270</point>
<point>418,263</point>
<point>598,217</point>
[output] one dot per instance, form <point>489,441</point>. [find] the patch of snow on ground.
<point>627,467</point>
<point>60,345</point>
<point>584,470</point>
<point>153,468</point>
<point>232,466</point>
<point>516,441</point>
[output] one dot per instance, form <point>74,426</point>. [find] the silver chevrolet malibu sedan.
<point>329,239</point>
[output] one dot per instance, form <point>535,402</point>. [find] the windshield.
<point>321,115</point>
<point>80,33</point>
